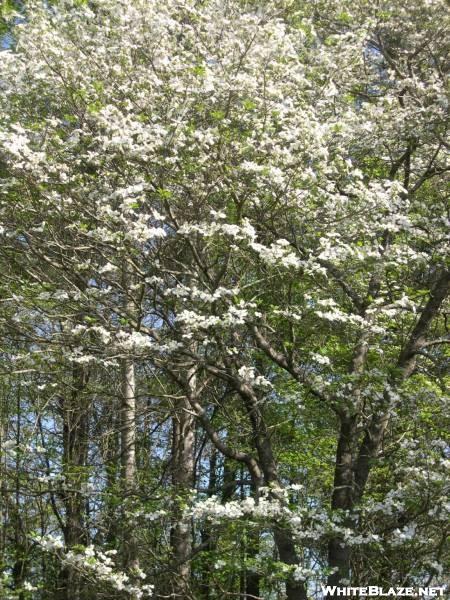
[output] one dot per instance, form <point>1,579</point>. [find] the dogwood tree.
<point>225,247</point>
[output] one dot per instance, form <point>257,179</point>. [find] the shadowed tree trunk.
<point>295,590</point>
<point>128,455</point>
<point>128,467</point>
<point>183,464</point>
<point>354,456</point>
<point>75,415</point>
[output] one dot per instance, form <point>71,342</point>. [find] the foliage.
<point>224,329</point>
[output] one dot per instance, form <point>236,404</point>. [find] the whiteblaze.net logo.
<point>374,590</point>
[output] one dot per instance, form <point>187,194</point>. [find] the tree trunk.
<point>183,457</point>
<point>128,456</point>
<point>295,590</point>
<point>353,466</point>
<point>75,415</point>
<point>342,498</point>
<point>251,549</point>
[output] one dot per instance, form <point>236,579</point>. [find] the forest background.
<point>224,315</point>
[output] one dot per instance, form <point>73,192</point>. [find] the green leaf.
<point>163,193</point>
<point>218,115</point>
<point>249,104</point>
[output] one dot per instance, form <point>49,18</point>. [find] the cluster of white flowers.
<point>248,375</point>
<point>18,142</point>
<point>244,231</point>
<point>320,359</point>
<point>154,516</point>
<point>301,573</point>
<point>141,232</point>
<point>8,445</point>
<point>193,321</point>
<point>12,448</point>
<point>104,335</point>
<point>107,268</point>
<point>99,564</point>
<point>194,293</point>
<point>277,254</point>
<point>215,511</point>
<point>134,341</point>
<point>49,542</point>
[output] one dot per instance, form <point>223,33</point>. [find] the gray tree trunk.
<point>128,455</point>
<point>75,415</point>
<point>183,465</point>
